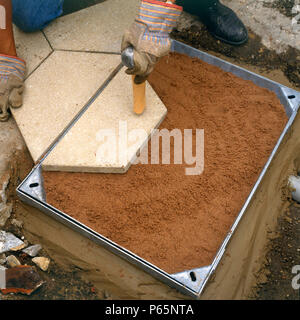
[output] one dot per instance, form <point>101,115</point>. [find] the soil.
<point>158,206</point>
<point>275,277</point>
<point>59,282</point>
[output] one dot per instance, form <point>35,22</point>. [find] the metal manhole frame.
<point>188,282</point>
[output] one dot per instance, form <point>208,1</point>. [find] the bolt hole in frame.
<point>189,282</point>
<point>34,185</point>
<point>193,276</point>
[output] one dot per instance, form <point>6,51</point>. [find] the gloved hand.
<point>149,36</point>
<point>12,74</point>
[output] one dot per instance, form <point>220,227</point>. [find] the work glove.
<point>149,36</point>
<point>12,74</point>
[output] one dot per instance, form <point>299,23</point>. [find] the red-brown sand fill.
<point>172,220</point>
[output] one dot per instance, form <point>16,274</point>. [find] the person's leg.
<point>34,15</point>
<point>7,43</point>
<point>220,20</point>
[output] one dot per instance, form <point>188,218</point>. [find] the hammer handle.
<point>139,96</point>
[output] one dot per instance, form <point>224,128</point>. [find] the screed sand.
<point>174,221</point>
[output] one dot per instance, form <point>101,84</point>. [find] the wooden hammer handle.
<point>139,96</point>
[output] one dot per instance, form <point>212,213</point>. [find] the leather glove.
<point>12,74</point>
<point>149,36</point>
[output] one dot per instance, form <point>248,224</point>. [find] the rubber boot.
<point>220,20</point>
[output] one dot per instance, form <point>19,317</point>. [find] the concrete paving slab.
<point>97,141</point>
<point>97,28</point>
<point>56,92</point>
<point>32,47</point>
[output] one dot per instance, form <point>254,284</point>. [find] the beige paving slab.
<point>87,148</point>
<point>97,28</point>
<point>56,92</point>
<point>32,47</point>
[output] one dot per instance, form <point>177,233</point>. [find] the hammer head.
<point>128,58</point>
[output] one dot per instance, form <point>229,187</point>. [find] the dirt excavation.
<point>172,220</point>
